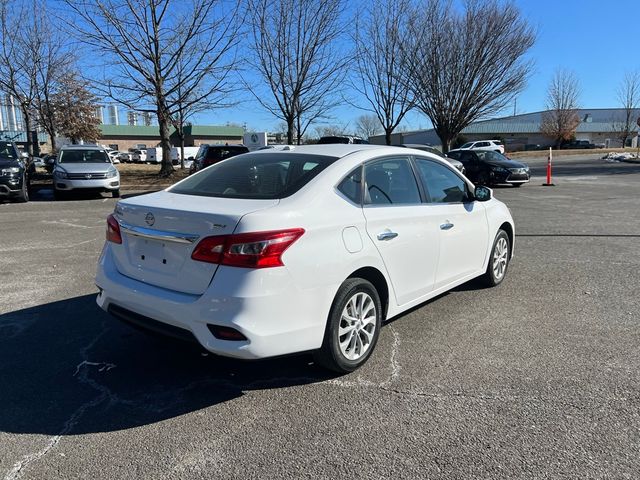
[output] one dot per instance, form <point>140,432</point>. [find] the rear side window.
<point>390,182</point>
<point>255,176</point>
<point>351,186</point>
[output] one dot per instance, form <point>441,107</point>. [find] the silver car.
<point>84,168</point>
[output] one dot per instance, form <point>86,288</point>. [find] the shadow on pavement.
<point>67,367</point>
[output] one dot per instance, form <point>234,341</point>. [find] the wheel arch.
<point>508,228</point>
<point>379,281</point>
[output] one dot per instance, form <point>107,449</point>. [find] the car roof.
<point>337,150</point>
<point>82,147</point>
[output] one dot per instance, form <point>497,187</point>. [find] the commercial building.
<point>123,137</point>
<point>518,132</point>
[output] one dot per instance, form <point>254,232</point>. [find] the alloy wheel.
<point>500,258</point>
<point>357,326</point>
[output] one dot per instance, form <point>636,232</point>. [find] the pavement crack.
<point>82,374</point>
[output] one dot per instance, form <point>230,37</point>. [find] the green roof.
<point>152,131</point>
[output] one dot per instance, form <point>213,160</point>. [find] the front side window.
<point>390,182</point>
<point>441,183</point>
<point>83,156</point>
<point>255,176</point>
<point>491,157</point>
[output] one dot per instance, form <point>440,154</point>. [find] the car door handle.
<point>446,226</point>
<point>388,235</point>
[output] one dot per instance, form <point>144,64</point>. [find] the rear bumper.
<point>265,305</point>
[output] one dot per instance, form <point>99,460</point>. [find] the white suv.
<point>84,168</point>
<point>490,145</point>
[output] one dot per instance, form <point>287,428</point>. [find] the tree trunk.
<point>387,135</point>
<point>26,118</point>
<point>166,168</point>
<point>290,128</point>
<point>445,138</point>
<point>181,135</point>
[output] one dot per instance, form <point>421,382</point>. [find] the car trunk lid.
<point>160,230</point>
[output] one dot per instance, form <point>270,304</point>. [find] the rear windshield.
<point>222,153</point>
<point>330,140</point>
<point>83,156</point>
<point>255,176</point>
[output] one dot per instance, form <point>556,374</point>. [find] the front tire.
<point>353,327</point>
<point>115,193</point>
<point>23,196</point>
<point>498,261</point>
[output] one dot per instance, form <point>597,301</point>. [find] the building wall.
<point>123,144</point>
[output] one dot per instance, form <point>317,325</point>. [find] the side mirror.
<point>190,158</point>
<point>51,160</point>
<point>24,155</point>
<point>483,194</point>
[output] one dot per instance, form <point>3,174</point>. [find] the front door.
<point>399,225</point>
<point>463,226</point>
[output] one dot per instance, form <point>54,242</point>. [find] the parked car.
<point>15,176</point>
<point>342,139</point>
<point>37,161</point>
<point>138,156</point>
<point>84,168</point>
<point>578,145</point>
<point>428,148</point>
<point>306,248</point>
<point>124,157</point>
<point>114,156</point>
<point>49,162</point>
<point>491,168</point>
<point>209,154</point>
<point>489,145</point>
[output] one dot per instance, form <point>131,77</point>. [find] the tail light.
<point>249,250</point>
<point>113,230</point>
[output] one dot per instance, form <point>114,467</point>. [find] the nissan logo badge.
<point>150,219</point>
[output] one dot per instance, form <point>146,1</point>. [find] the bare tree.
<point>74,107</point>
<point>628,96</point>
<point>378,77</point>
<point>332,130</point>
<point>368,125</point>
<point>466,66</point>
<point>295,53</point>
<point>147,42</point>
<point>561,119</point>
<point>19,57</point>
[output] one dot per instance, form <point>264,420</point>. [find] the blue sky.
<point>595,39</point>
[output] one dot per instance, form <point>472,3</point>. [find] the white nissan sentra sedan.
<point>307,248</point>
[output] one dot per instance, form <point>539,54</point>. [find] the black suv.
<point>210,154</point>
<point>14,173</point>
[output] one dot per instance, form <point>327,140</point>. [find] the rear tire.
<point>352,328</point>
<point>498,260</point>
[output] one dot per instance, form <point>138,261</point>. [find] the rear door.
<point>462,222</point>
<point>399,225</point>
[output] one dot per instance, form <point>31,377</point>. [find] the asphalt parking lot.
<point>538,378</point>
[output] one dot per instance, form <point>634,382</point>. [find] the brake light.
<point>249,250</point>
<point>113,230</point>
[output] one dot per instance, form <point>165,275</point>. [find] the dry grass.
<point>556,153</point>
<point>132,175</point>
